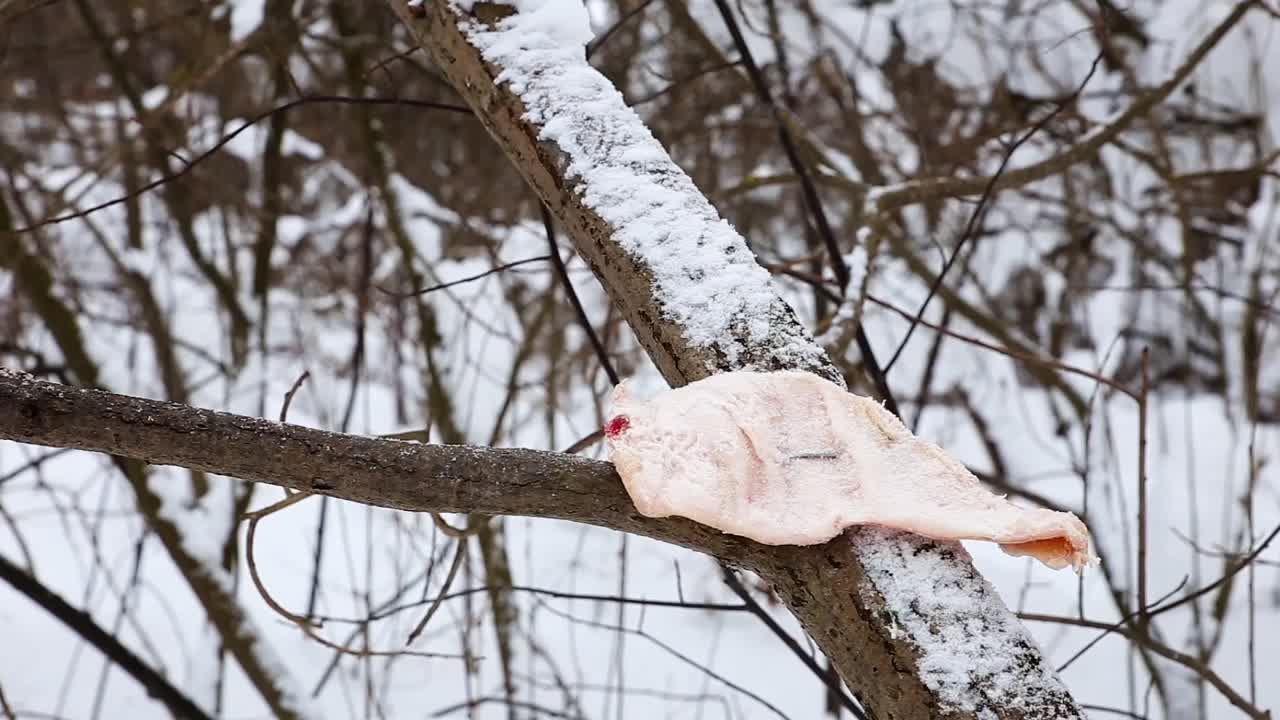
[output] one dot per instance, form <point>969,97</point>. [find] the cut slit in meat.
<point>788,458</point>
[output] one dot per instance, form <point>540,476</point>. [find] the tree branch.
<point>371,471</point>
<point>890,610</point>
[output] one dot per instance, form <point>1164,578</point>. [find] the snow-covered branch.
<point>912,627</point>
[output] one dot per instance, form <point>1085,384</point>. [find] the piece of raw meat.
<point>788,458</point>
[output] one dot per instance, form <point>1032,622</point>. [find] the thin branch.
<point>471,278</point>
<point>385,473</point>
<point>6,708</point>
<point>459,554</point>
<point>288,396</point>
<point>533,709</point>
<point>679,604</point>
<point>812,200</point>
<point>596,43</point>
<point>641,632</point>
<point>1189,661</point>
<point>305,623</point>
<point>189,166</point>
<point>585,442</point>
<point>83,625</point>
<point>602,354</point>
<point>830,680</point>
<point>1242,564</point>
<point>1144,394</point>
<point>984,202</point>
<point>908,193</point>
<point>1025,357</point>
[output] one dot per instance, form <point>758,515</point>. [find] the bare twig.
<point>602,354</point>
<point>305,624</point>
<point>598,42</point>
<point>1143,400</point>
<point>1189,661</point>
<point>5,707</point>
<point>813,202</point>
<point>80,623</point>
<point>191,165</point>
<point>459,553</point>
<point>288,396</point>
<point>891,198</point>
<point>470,278</point>
<point>830,680</point>
<point>980,211</point>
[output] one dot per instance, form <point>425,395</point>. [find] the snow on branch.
<point>684,278</point>
<point>705,278</point>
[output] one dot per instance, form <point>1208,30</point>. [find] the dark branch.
<point>79,622</point>
<point>187,167</point>
<point>371,471</point>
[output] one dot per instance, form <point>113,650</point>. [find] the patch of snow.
<point>155,97</point>
<point>246,16</point>
<point>839,323</point>
<point>203,677</point>
<point>566,22</point>
<point>859,263</point>
<point>293,143</point>
<point>247,144</point>
<point>871,203</point>
<point>975,655</point>
<point>204,523</point>
<point>144,260</point>
<point>292,695</point>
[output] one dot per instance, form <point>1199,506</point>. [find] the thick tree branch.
<point>897,614</point>
<point>372,471</point>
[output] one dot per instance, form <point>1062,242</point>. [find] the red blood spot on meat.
<point>617,426</point>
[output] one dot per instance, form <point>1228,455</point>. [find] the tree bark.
<point>371,471</point>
